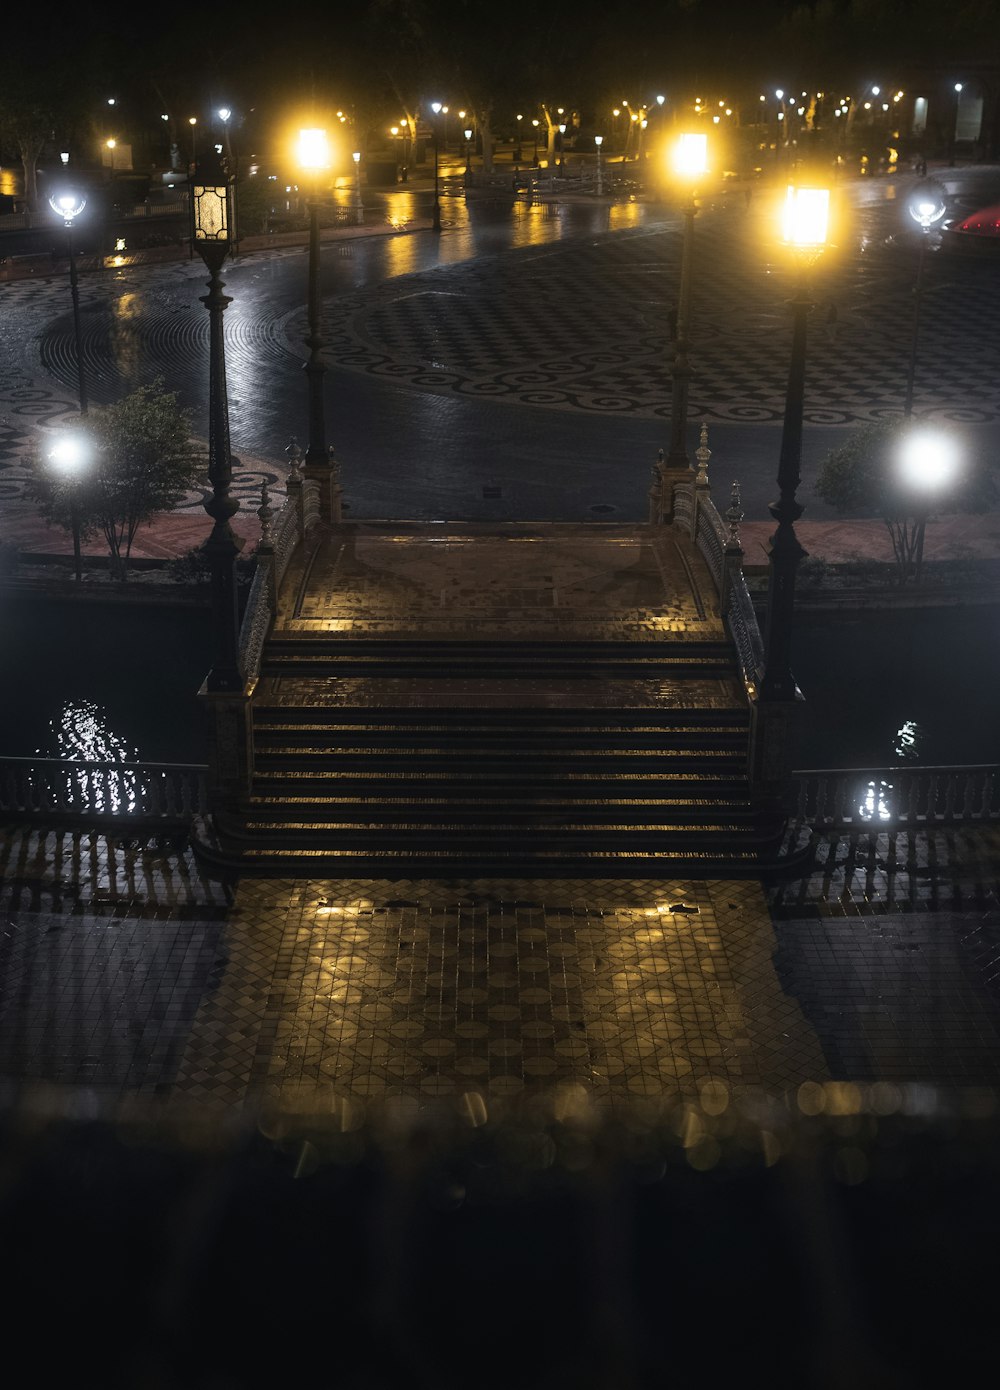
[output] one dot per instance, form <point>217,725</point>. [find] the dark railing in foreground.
<point>896,798</point>
<point>97,793</point>
<point>865,798</point>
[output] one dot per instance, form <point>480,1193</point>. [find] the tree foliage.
<point>863,478</point>
<point>141,462</point>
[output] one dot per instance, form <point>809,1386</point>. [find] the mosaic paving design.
<point>585,327</point>
<point>580,325</point>
<point>127,972</point>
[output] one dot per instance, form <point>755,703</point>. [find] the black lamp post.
<point>690,164</point>
<point>314,156</point>
<point>436,224</point>
<point>211,234</point>
<point>69,457</point>
<point>69,205</point>
<point>926,205</point>
<point>806,219</point>
<point>468,151</point>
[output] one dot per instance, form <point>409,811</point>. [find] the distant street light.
<point>518,156</point>
<point>70,457</point>
<point>211,233</point>
<point>193,123</point>
<point>468,151</point>
<point>69,204</point>
<point>690,164</point>
<point>926,205</point>
<point>805,231</point>
<point>534,157</point>
<point>598,142</point>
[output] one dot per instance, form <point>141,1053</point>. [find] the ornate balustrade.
<point>718,540</point>
<point>279,535</point>
<point>896,798</point>
<point>100,793</point>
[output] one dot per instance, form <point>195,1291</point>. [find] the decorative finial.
<point>294,458</point>
<point>734,515</point>
<point>703,453</point>
<point>265,511</point>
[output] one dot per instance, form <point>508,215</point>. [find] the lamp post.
<point>69,205</point>
<point>953,132</point>
<point>518,155</point>
<point>926,205</point>
<point>314,157</point>
<point>359,207</point>
<point>193,123</point>
<point>436,223</point>
<point>690,165</point>
<point>69,457</point>
<point>598,142</point>
<point>211,233</point>
<point>468,150</point>
<point>929,462</point>
<point>805,233</point>
<point>534,132</point>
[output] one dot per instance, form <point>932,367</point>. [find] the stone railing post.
<point>265,547</point>
<point>293,483</point>
<point>702,487</point>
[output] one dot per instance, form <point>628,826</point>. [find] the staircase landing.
<point>469,698</point>
<point>516,580</point>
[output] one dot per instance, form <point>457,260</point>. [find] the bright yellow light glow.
<point>313,149</point>
<point>691,155</point>
<point>807,217</point>
<point>111,144</point>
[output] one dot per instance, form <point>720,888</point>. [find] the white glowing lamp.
<point>927,204</point>
<point>807,218</point>
<point>68,205</point>
<point>69,455</point>
<point>691,156</point>
<point>929,460</point>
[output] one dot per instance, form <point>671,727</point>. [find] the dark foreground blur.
<point>844,1236</point>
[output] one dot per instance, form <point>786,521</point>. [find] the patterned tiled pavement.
<point>127,971</point>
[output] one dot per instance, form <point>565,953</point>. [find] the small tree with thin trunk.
<point>142,462</point>
<point>864,477</point>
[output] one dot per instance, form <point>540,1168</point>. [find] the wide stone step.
<point>507,660</point>
<point>703,855</point>
<point>500,720</point>
<point>302,742</point>
<point>517,782</point>
<point>507,816</point>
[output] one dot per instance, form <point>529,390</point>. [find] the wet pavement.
<point>128,973</point>
<point>517,366</point>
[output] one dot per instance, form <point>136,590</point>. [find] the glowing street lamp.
<point>690,164</point>
<point>598,142</point>
<point>314,159</point>
<point>69,204</point>
<point>212,235</point>
<point>70,457</point>
<point>805,230</point>
<point>468,151</point>
<point>193,123</point>
<point>359,207</point>
<point>436,109</point>
<point>926,205</point>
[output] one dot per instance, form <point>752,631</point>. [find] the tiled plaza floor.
<point>128,972</point>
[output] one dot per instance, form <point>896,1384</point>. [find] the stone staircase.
<point>404,758</point>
